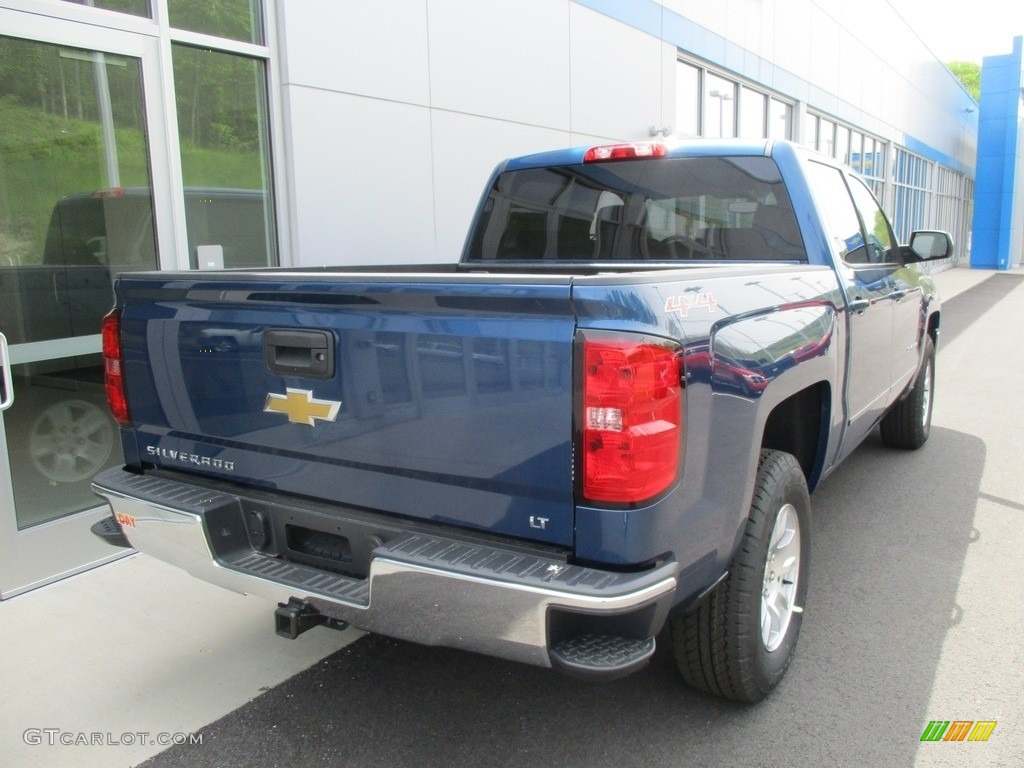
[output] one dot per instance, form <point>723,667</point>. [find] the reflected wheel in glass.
<point>70,441</point>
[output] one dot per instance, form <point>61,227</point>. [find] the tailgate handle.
<point>289,352</point>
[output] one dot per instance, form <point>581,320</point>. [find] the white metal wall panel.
<point>362,175</point>
<point>420,98</point>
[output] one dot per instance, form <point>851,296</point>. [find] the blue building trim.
<point>660,22</point>
<point>644,15</point>
<point>930,153</point>
<point>997,192</point>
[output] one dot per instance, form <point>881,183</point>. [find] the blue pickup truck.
<point>599,428</point>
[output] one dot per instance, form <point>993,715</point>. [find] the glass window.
<point>868,157</point>
<point>134,7</point>
<point>913,193</point>
<point>826,137</point>
<point>75,200</point>
<point>843,144</point>
<point>874,164</point>
<point>856,151</point>
<point>687,100</point>
<point>233,19</point>
<point>839,212</point>
<point>630,210</point>
<point>880,242</point>
<point>810,131</point>
<point>780,120</point>
<point>225,158</point>
<point>75,209</point>
<point>719,108</point>
<point>752,113</point>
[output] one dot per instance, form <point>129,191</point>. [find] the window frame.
<point>770,100</point>
<point>169,38</point>
<point>855,183</point>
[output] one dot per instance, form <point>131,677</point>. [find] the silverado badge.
<point>301,407</point>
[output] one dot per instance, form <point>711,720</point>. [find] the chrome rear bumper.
<point>421,587</point>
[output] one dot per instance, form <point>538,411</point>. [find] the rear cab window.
<point>663,210</point>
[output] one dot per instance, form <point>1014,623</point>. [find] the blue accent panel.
<point>655,20</point>
<point>928,151</point>
<point>824,100</point>
<point>644,15</point>
<point>693,38</point>
<point>998,187</point>
<point>786,82</point>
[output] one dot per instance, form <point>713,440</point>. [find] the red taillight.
<point>624,152</point>
<point>112,367</point>
<point>632,419</point>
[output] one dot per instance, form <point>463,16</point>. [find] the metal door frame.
<point>49,551</point>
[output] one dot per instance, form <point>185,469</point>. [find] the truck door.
<point>867,284</point>
<point>906,296</point>
<point>869,298</point>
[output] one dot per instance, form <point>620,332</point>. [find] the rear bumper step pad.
<point>429,589</point>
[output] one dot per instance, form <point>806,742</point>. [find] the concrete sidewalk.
<point>113,665</point>
<point>950,282</point>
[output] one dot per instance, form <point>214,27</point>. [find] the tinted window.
<point>839,212</point>
<point>225,145</point>
<point>880,243</point>
<point>663,209</point>
<point>235,19</point>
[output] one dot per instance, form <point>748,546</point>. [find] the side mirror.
<point>929,244</point>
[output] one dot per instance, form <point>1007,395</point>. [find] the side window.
<point>881,246</point>
<point>839,213</point>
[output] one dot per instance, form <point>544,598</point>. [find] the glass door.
<point>76,208</point>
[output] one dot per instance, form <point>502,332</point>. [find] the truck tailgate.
<point>415,395</point>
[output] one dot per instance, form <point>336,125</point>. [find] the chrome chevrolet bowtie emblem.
<point>301,407</point>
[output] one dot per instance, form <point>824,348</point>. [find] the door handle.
<point>858,305</point>
<point>8,382</point>
<point>898,295</point>
<point>290,352</point>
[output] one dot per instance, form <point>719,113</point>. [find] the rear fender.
<point>761,365</point>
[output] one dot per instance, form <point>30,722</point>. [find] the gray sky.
<point>965,30</point>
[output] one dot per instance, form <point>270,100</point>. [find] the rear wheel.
<point>909,422</point>
<point>738,643</point>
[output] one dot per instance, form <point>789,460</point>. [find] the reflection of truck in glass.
<point>93,236</point>
<point>90,238</point>
<point>599,428</point>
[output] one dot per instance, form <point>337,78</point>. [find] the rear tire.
<point>909,422</point>
<point>739,641</point>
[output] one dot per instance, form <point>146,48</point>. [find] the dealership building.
<point>184,134</point>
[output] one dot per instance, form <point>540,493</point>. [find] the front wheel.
<point>738,643</point>
<point>909,422</point>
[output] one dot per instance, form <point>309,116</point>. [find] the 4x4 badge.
<point>301,407</point>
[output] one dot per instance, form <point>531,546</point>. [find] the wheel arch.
<point>934,321</point>
<point>799,426</point>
